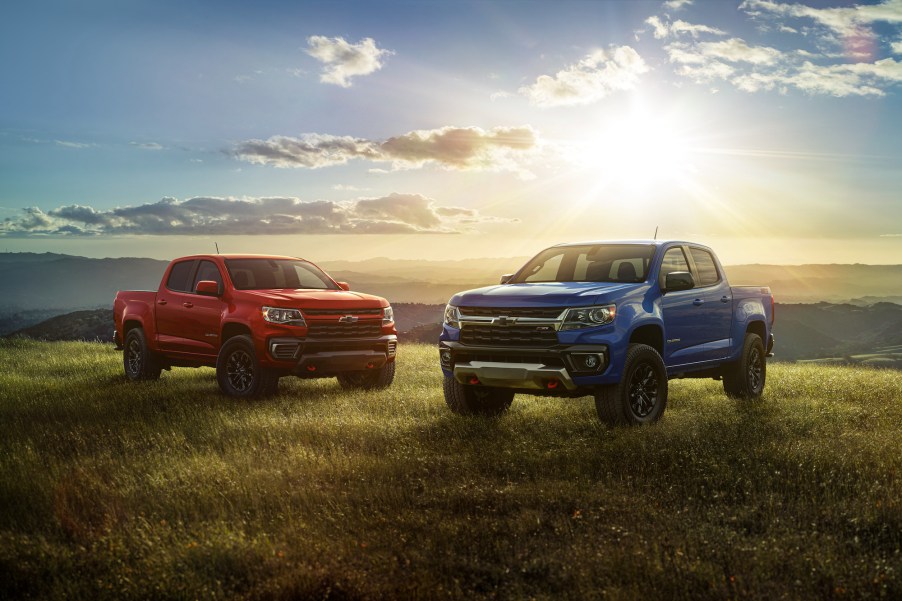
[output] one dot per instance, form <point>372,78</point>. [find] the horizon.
<point>403,259</point>
<point>769,131</point>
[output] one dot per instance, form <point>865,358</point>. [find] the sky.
<point>771,131</point>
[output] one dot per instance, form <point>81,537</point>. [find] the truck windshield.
<point>588,263</point>
<point>269,274</point>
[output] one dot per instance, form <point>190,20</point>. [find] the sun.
<point>637,150</point>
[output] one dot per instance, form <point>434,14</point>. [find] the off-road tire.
<point>370,379</point>
<point>140,362</point>
<point>641,395</point>
<point>745,378</point>
<point>239,373</point>
<point>476,400</point>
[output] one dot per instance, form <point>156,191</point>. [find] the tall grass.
<point>169,490</point>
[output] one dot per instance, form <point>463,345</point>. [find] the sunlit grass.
<point>170,490</point>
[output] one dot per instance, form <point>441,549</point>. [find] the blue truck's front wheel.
<point>476,400</point>
<point>641,395</point>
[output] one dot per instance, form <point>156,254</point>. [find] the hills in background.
<point>35,287</point>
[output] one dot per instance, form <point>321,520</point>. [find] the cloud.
<point>678,27</point>
<point>67,144</point>
<point>343,60</point>
<point>460,148</point>
<point>733,50</point>
<point>147,145</point>
<point>596,76</point>
<point>854,70</point>
<point>850,21</point>
<point>395,213</point>
<point>309,150</point>
<point>676,4</point>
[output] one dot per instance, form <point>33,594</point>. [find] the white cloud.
<point>846,21</point>
<point>596,76</point>
<point>679,27</point>
<point>343,60</point>
<point>68,144</point>
<point>736,50</point>
<point>676,4</point>
<point>147,145</point>
<point>460,148</point>
<point>395,213</point>
<point>310,150</point>
<point>850,71</point>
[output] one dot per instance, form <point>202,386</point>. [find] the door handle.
<point>162,301</point>
<point>698,302</point>
<point>187,305</point>
<point>724,299</point>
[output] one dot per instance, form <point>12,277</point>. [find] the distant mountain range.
<point>34,287</point>
<point>849,333</point>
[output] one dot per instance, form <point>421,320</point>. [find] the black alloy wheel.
<point>241,371</point>
<point>643,391</point>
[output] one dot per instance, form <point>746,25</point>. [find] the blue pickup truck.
<point>614,320</point>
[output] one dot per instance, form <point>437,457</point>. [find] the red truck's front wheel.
<point>239,373</point>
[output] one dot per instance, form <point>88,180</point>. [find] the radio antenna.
<point>217,247</point>
<point>656,232</point>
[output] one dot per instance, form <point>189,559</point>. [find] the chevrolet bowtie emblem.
<point>504,321</point>
<point>348,319</point>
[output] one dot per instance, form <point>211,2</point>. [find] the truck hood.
<point>299,299</point>
<point>548,294</point>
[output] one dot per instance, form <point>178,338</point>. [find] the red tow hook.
<point>474,380</point>
<point>552,384</point>
<point>370,365</point>
<point>311,368</point>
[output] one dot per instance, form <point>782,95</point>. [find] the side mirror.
<point>344,286</point>
<point>506,278</point>
<point>678,280</point>
<point>207,288</point>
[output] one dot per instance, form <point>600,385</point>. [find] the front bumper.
<point>308,357</point>
<point>563,368</point>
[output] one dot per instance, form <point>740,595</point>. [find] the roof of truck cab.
<point>650,242</point>
<point>241,256</point>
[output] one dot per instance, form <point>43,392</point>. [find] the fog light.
<point>591,361</point>
<point>446,357</point>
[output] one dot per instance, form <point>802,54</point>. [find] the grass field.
<point>168,490</point>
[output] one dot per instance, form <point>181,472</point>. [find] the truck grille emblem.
<point>504,320</point>
<point>348,319</point>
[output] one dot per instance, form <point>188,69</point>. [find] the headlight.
<point>292,317</point>
<point>388,316</point>
<point>588,317</point>
<point>452,316</point>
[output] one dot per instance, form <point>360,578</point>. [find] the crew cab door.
<point>683,338</point>
<point>696,321</point>
<point>188,322</point>
<point>714,301</point>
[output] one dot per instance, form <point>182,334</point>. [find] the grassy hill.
<point>169,490</point>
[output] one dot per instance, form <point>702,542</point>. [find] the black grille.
<point>542,312</point>
<point>519,335</point>
<point>335,329</point>
<point>376,311</point>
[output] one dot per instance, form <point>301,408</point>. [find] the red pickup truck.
<point>255,319</point>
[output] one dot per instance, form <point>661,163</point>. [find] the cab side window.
<point>674,260</point>
<point>207,270</point>
<point>179,277</point>
<point>707,268</point>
